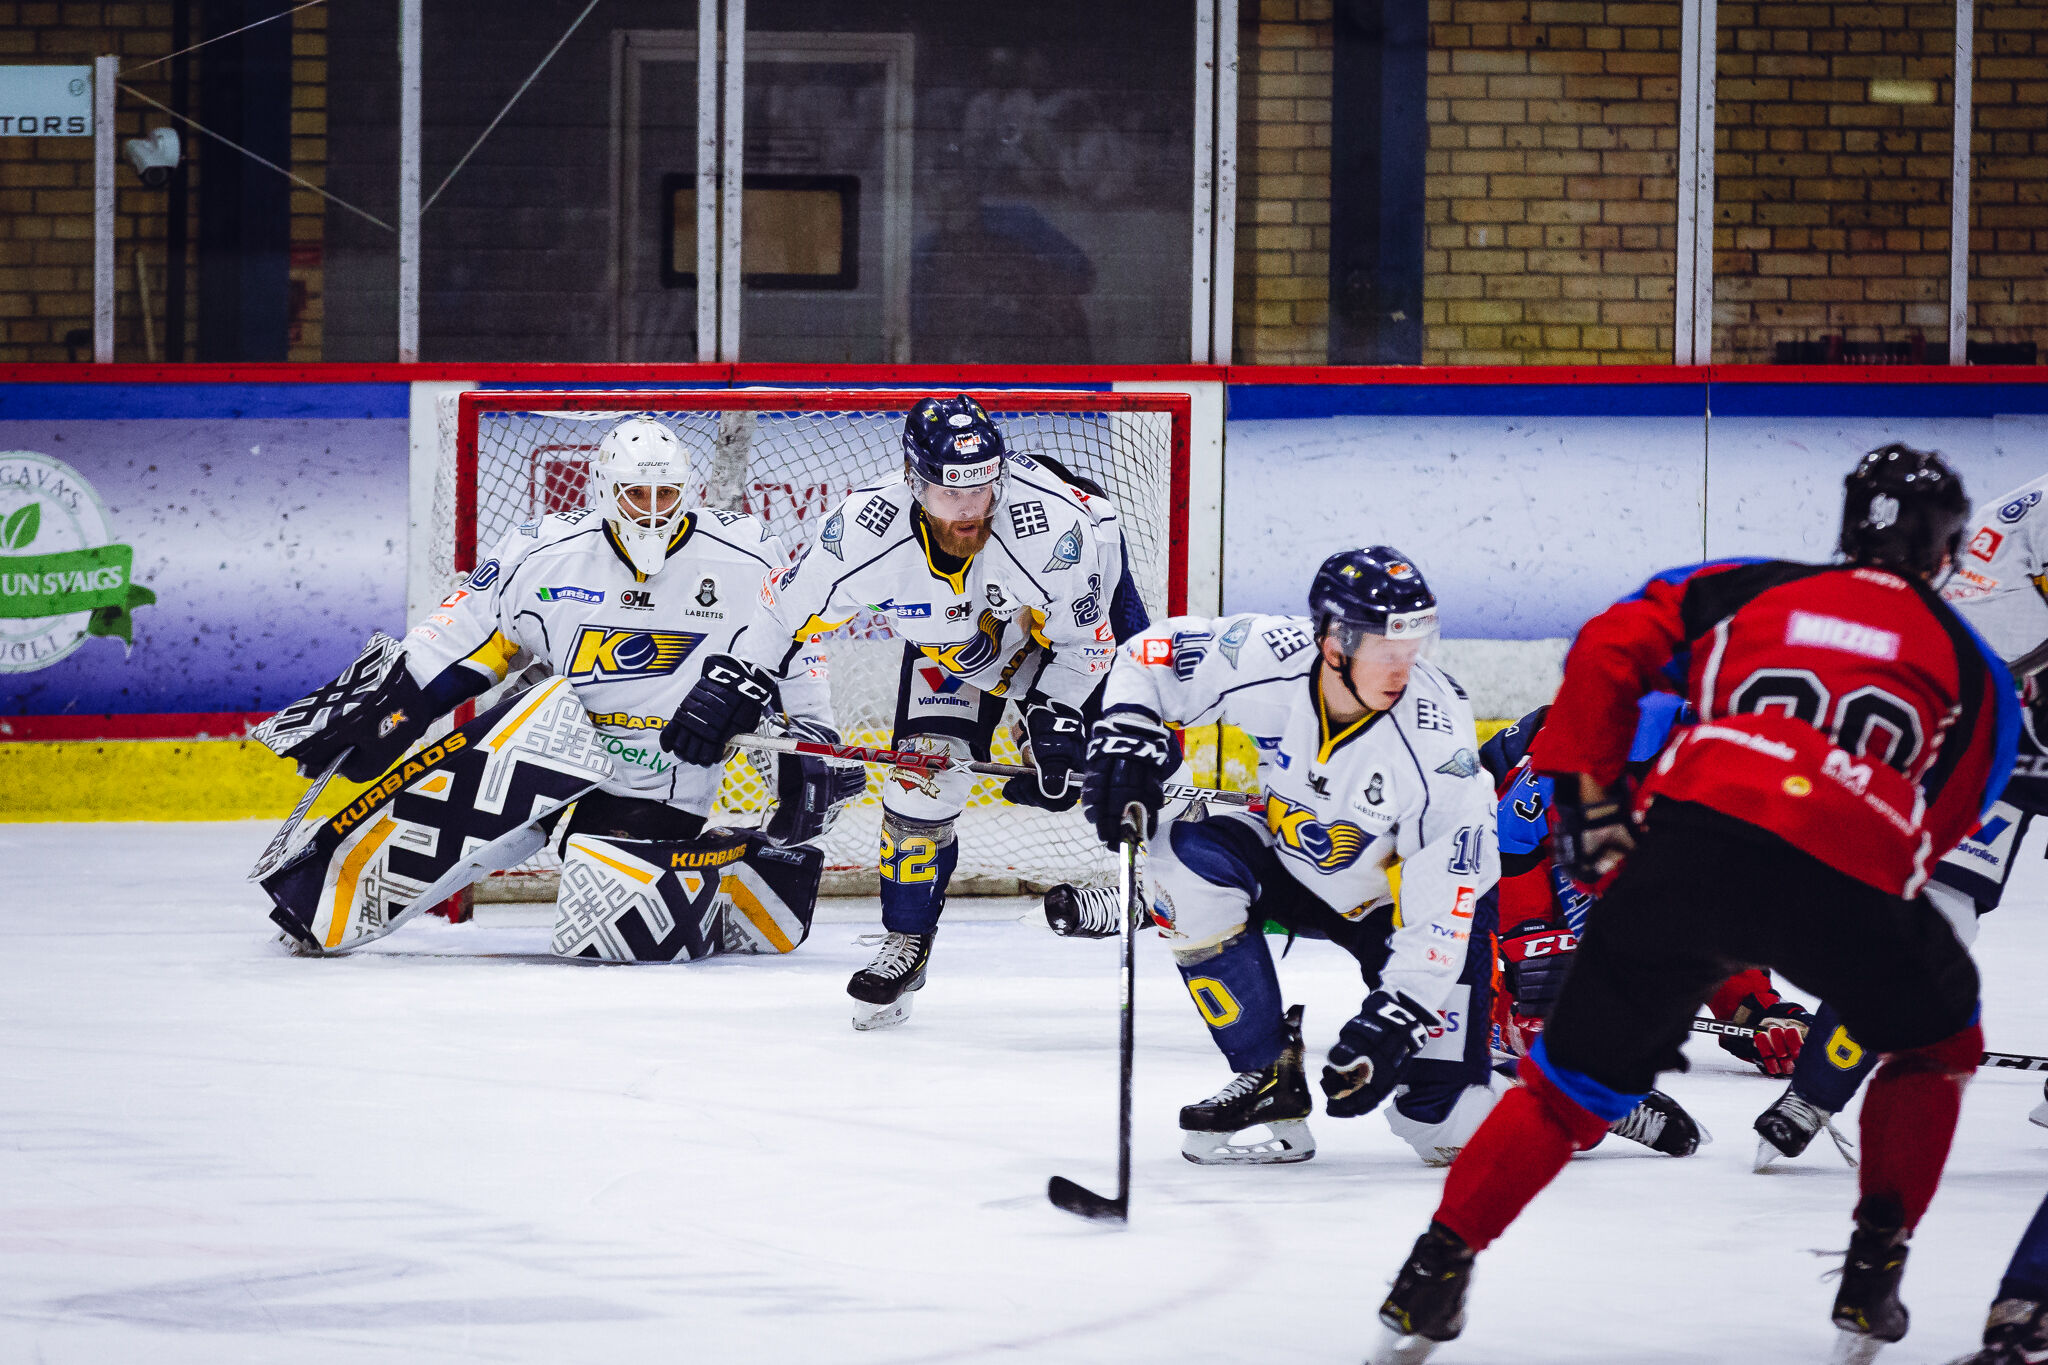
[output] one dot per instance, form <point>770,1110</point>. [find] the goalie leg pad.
<point>647,900</point>
<point>461,808</point>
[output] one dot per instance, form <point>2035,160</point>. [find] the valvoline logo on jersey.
<point>609,654</point>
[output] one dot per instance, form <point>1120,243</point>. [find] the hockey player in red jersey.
<point>1851,730</point>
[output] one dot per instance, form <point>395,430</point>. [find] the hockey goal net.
<point>789,456</point>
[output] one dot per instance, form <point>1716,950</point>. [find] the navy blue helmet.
<point>951,443</point>
<point>1903,509</point>
<point>1374,591</point>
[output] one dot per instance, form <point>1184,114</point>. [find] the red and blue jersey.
<point>1843,708</point>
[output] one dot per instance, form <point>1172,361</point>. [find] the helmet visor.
<point>957,504</point>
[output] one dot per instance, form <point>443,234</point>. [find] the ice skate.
<point>1785,1129</point>
<point>2039,1116</point>
<point>881,990</point>
<point>1426,1306</point>
<point>1083,911</point>
<point>1867,1307</point>
<point>1662,1125</point>
<point>2016,1334</point>
<point>1276,1098</point>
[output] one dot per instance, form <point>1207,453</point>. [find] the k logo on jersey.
<point>609,654</point>
<point>1331,847</point>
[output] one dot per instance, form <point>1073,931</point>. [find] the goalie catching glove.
<point>1057,739</point>
<point>1130,755</point>
<point>727,700</point>
<point>1367,1057</point>
<point>372,713</point>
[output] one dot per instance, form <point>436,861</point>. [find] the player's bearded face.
<point>649,504</point>
<point>961,518</point>
<point>1380,667</point>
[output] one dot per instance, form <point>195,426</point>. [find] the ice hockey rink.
<point>454,1148</point>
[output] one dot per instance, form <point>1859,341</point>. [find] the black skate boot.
<point>1426,1306</point>
<point>2015,1334</point>
<point>881,990</point>
<point>1867,1307</point>
<point>1276,1097</point>
<point>1660,1124</point>
<point>1083,911</point>
<point>1790,1124</point>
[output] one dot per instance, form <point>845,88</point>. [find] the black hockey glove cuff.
<point>1058,738</point>
<point>1130,754</point>
<point>727,700</point>
<point>1591,838</point>
<point>1366,1060</point>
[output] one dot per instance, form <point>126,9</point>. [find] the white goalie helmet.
<point>638,483</point>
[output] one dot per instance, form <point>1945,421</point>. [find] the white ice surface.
<point>459,1150</point>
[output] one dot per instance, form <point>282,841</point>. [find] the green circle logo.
<point>62,577</point>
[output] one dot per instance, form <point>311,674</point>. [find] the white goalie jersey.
<point>1044,580</point>
<point>630,645</point>
<point>1401,789</point>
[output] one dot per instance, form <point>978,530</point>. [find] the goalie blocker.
<point>478,800</point>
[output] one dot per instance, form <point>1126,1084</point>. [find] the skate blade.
<point>1766,1153</point>
<point>2039,1118</point>
<point>1395,1349</point>
<point>1856,1348</point>
<point>867,1018</point>
<point>1289,1142</point>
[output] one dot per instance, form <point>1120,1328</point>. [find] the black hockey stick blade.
<point>1085,1203</point>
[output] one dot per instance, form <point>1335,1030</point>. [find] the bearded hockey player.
<point>1997,588</point>
<point>1851,729</point>
<point>624,600</point>
<point>1367,755</point>
<point>1006,577</point>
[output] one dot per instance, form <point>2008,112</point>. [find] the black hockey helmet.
<point>1903,509</point>
<point>950,443</point>
<point>1374,591</point>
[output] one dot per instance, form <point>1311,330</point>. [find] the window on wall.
<point>797,232</point>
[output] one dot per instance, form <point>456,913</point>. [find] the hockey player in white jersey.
<point>625,599</point>
<point>1007,579</point>
<point>1367,758</point>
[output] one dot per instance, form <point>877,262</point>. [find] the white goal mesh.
<point>789,457</point>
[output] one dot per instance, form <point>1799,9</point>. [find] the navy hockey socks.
<point>1238,994</point>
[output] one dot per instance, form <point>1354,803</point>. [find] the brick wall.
<point>46,187</point>
<point>1283,203</point>
<point>2009,175</point>
<point>1551,193</point>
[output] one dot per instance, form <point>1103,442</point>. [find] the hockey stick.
<point>1063,1192</point>
<point>936,763</point>
<point>2011,1061</point>
<point>273,852</point>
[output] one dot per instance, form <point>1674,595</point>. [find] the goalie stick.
<point>907,758</point>
<point>2011,1061</point>
<point>1064,1193</point>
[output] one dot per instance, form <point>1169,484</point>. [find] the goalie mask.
<point>637,484</point>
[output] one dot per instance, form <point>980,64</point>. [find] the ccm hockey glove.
<point>1058,739</point>
<point>727,701</point>
<point>1366,1060</point>
<point>1129,756</point>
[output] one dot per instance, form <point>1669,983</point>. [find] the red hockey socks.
<point>1526,1140</point>
<point>1909,1119</point>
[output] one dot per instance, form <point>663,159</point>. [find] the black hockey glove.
<point>378,732</point>
<point>1538,957</point>
<point>1591,838</point>
<point>1058,738</point>
<point>726,701</point>
<point>1130,755</point>
<point>809,790</point>
<point>1370,1049</point>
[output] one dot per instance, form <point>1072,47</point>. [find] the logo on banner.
<point>63,578</point>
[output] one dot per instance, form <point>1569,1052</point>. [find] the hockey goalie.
<point>609,612</point>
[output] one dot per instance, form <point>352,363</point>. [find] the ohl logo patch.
<point>1331,847</point>
<point>608,654</point>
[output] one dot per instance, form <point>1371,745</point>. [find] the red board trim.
<point>161,725</point>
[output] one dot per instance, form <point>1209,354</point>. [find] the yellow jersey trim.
<point>611,538</point>
<point>1330,743</point>
<point>957,581</point>
<point>494,654</point>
